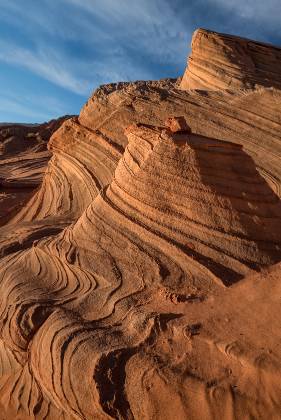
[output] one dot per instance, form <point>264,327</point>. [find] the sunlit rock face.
<point>142,278</point>
<point>221,61</point>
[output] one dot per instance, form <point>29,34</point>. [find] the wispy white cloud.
<point>45,63</point>
<point>114,33</point>
<point>149,26</point>
<point>262,11</point>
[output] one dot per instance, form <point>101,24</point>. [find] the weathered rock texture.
<point>142,279</point>
<point>220,61</point>
<point>23,160</point>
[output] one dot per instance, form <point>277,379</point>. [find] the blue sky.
<point>54,53</point>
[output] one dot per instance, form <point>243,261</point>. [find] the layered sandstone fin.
<point>220,61</point>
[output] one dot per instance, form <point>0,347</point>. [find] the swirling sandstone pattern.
<point>23,160</point>
<point>142,280</point>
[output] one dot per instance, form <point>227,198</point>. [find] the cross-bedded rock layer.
<point>139,281</point>
<point>23,160</point>
<point>221,61</point>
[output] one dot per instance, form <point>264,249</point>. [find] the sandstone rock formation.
<point>23,160</point>
<point>142,279</point>
<point>220,61</point>
<point>177,125</point>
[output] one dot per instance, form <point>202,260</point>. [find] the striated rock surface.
<point>92,144</point>
<point>23,160</point>
<point>221,61</point>
<point>142,279</point>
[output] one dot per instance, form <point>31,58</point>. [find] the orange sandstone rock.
<point>128,282</point>
<point>177,124</point>
<point>221,61</point>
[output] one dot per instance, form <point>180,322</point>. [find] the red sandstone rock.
<point>128,283</point>
<point>221,61</point>
<point>177,125</point>
<point>23,160</point>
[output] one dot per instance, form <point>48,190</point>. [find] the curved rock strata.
<point>221,61</point>
<point>82,164</point>
<point>23,160</point>
<point>250,119</point>
<point>78,296</point>
<point>142,279</point>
